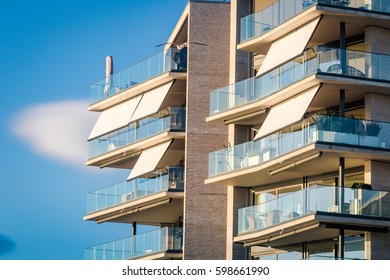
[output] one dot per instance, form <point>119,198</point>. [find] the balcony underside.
<point>356,22</point>
<point>311,227</point>
<point>258,175</point>
<point>126,157</point>
<point>178,89</point>
<point>154,209</point>
<point>167,255</point>
<point>328,96</point>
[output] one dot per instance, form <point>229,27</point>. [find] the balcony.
<point>171,60</point>
<point>154,198</point>
<point>169,120</point>
<point>167,179</point>
<point>313,214</point>
<point>293,148</point>
<point>357,202</point>
<point>163,243</point>
<point>320,63</point>
<point>255,25</point>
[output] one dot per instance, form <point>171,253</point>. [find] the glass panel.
<point>354,247</point>
<point>290,202</point>
<point>265,196</point>
<point>268,257</point>
<point>161,180</point>
<point>292,255</point>
<point>323,250</point>
<point>138,131</point>
<point>169,60</point>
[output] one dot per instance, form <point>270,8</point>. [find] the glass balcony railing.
<point>169,178</point>
<point>364,65</point>
<point>328,129</point>
<point>171,119</point>
<point>160,240</point>
<point>330,199</point>
<point>257,24</point>
<point>169,60</point>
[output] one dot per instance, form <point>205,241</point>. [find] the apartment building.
<point>307,167</point>
<point>152,122</point>
<point>266,136</point>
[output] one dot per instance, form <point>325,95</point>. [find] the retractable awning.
<point>129,111</point>
<point>287,113</point>
<point>115,117</point>
<point>148,160</point>
<point>288,47</point>
<point>151,102</point>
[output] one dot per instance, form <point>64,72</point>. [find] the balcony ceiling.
<point>258,175</point>
<point>311,227</point>
<point>176,96</point>
<point>327,31</point>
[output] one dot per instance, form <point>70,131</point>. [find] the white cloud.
<point>57,130</point>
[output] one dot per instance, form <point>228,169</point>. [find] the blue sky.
<point>51,51</point>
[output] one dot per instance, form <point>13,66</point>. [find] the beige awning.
<point>287,113</point>
<point>148,160</point>
<point>115,117</point>
<point>151,102</point>
<point>288,47</point>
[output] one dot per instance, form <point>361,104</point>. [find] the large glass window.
<point>267,257</point>
<point>264,196</point>
<point>292,255</point>
<point>354,247</point>
<point>350,179</point>
<point>319,250</point>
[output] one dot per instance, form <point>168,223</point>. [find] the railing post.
<point>167,237</point>
<point>305,199</point>
<point>341,204</point>
<point>304,196</point>
<point>132,239</point>
<point>341,244</point>
<point>341,182</point>
<point>342,103</point>
<point>343,57</point>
